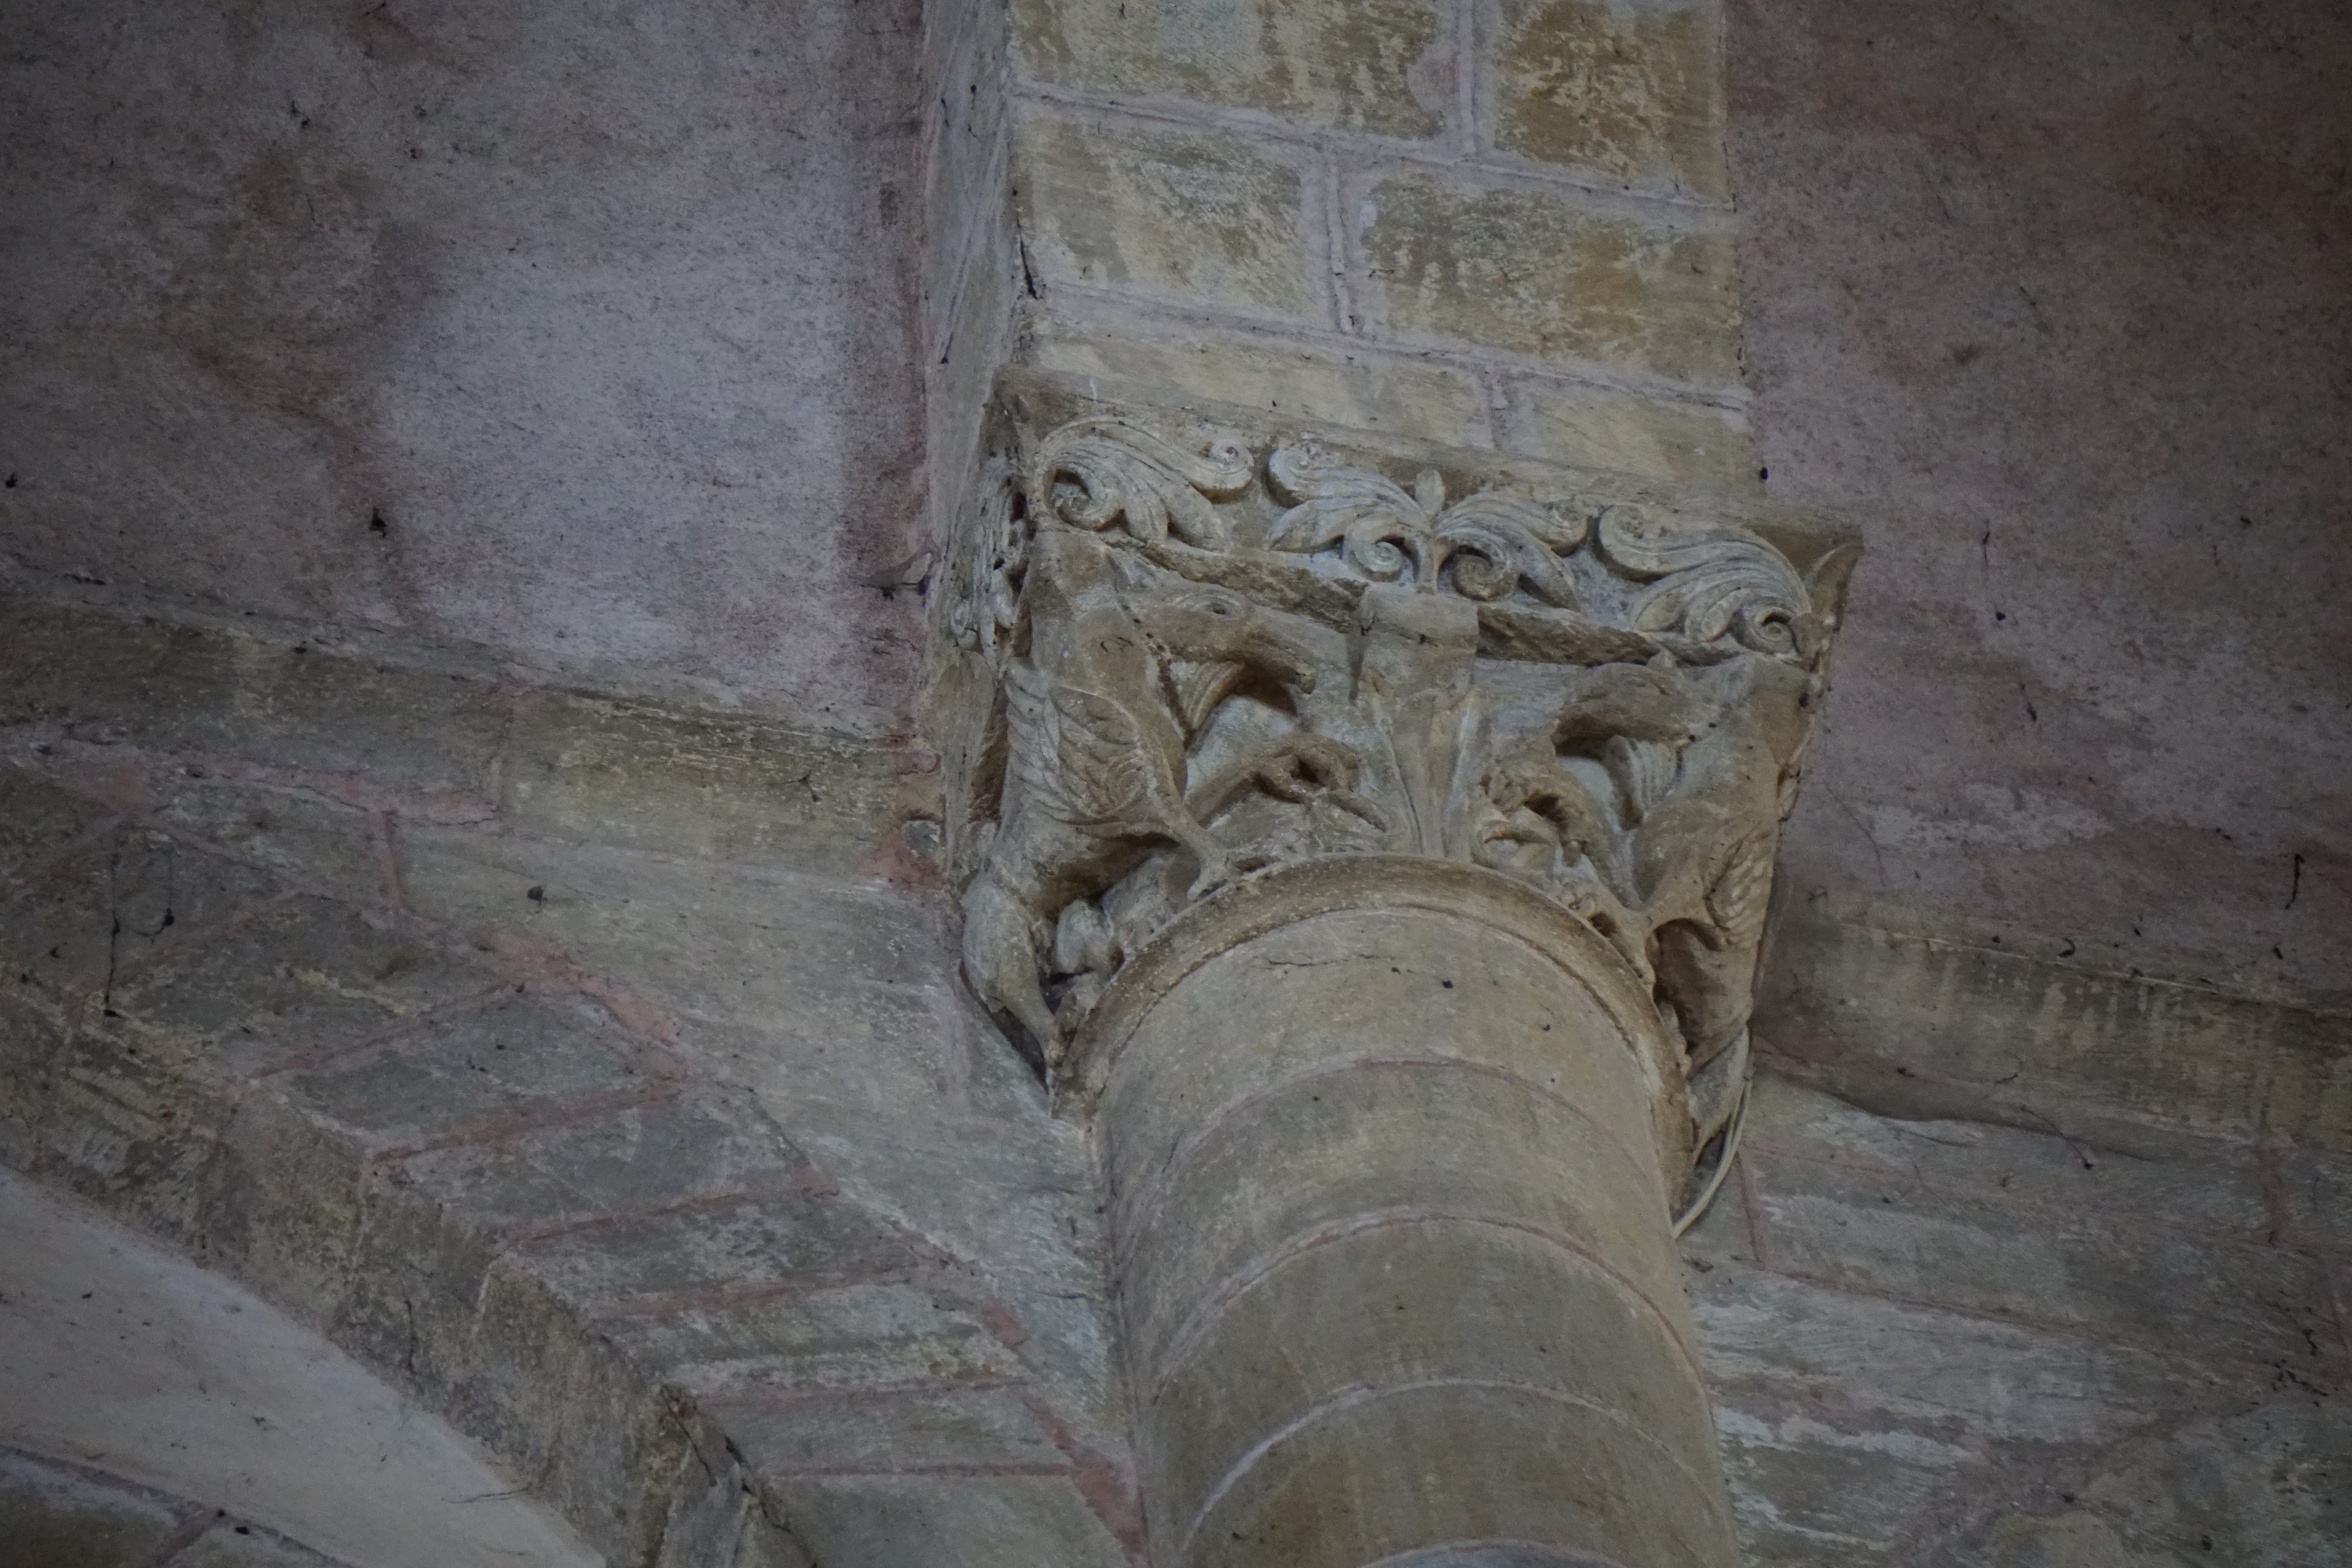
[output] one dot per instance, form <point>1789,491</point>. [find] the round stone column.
<point>1389,1144</point>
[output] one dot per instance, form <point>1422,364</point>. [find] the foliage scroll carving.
<point>1212,659</point>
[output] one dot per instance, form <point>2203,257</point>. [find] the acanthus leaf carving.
<point>1217,663</point>
<point>1101,471</point>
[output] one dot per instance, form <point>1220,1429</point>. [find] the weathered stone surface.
<point>1535,272</point>
<point>1681,442</point>
<point>974,1522</point>
<point>134,897</point>
<point>706,1255</point>
<point>2269,1483</point>
<point>235,1545</point>
<point>129,1356</point>
<point>57,1516</point>
<point>323,845</point>
<point>426,736</point>
<point>283,1204</point>
<point>1956,1415</point>
<point>715,786</point>
<point>886,1431</point>
<point>124,1129</point>
<point>1376,66</point>
<point>1630,93</point>
<point>518,369</point>
<point>817,1342</point>
<point>1196,217</point>
<point>2309,1095</point>
<point>2076,377</point>
<point>476,1073</point>
<point>664,1151</point>
<point>38,819</point>
<point>30,1039</point>
<point>1357,387</point>
<point>2212,1186</point>
<point>740,944</point>
<point>2021,1032</point>
<point>305,978</point>
<point>1539,273</point>
<point>1894,1236</point>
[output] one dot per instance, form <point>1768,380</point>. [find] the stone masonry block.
<point>660,1155</point>
<point>126,1130</point>
<point>2145,1282</point>
<point>2213,1185</point>
<point>806,1343</point>
<point>1768,1342</point>
<point>1846,1419</point>
<point>687,938</point>
<point>1378,66</point>
<point>194,689</point>
<point>1683,444</point>
<point>1630,92</point>
<point>723,787</point>
<point>298,835</point>
<point>2021,1032</point>
<point>2309,1092</point>
<point>415,1283</point>
<point>31,1039</point>
<point>282,1205</point>
<point>1195,218</point>
<point>728,1246</point>
<point>37,819</point>
<point>963,136</point>
<point>568,1406</point>
<point>472,1072</point>
<point>1538,272</point>
<point>1357,388</point>
<point>972,1521</point>
<point>306,978</point>
<point>117,904</point>
<point>883,1432</point>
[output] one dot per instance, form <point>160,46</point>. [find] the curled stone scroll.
<point>1213,660</point>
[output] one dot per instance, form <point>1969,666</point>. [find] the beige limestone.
<point>1184,215</point>
<point>1391,1227</point>
<point>1631,93</point>
<point>1700,445</point>
<point>1537,272</point>
<point>1327,381</point>
<point>1375,66</point>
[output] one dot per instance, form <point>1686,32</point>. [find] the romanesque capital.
<point>1213,656</point>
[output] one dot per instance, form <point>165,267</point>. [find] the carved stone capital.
<point>1211,656</point>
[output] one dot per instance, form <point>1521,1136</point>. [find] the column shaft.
<point>1392,1234</point>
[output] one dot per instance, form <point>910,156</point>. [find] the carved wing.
<point>1077,754</point>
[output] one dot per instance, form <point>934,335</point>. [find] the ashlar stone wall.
<point>1477,224</point>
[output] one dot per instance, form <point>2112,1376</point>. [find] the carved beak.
<point>1274,648</point>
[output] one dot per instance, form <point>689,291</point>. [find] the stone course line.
<point>1212,1304</point>
<point>1145,1205</point>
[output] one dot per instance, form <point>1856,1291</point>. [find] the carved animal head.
<point>1637,701</point>
<point>1214,625</point>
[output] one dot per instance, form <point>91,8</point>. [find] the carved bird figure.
<point>1097,731</point>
